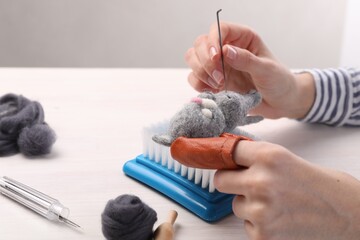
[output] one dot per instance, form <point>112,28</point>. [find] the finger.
<point>251,230</point>
<point>199,85</point>
<point>213,68</point>
<point>245,152</point>
<point>254,215</point>
<point>249,226</point>
<point>243,60</point>
<point>198,70</point>
<point>231,181</point>
<point>240,207</point>
<point>240,35</point>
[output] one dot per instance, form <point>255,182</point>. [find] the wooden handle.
<point>166,231</point>
<point>172,217</point>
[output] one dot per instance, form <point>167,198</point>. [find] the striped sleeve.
<point>337,101</point>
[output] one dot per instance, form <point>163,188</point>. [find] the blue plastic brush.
<point>191,187</point>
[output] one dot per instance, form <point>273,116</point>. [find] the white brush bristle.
<point>161,155</point>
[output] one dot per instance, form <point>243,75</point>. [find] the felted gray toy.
<point>210,115</point>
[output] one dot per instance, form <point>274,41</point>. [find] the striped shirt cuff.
<point>337,100</point>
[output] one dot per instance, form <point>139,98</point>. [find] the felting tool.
<point>166,230</point>
<point>221,45</point>
<point>40,203</point>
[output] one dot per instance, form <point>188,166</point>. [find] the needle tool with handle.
<point>40,203</point>
<point>166,230</point>
<point>221,45</point>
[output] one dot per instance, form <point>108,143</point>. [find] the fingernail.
<point>212,83</point>
<point>213,53</point>
<point>231,53</point>
<point>218,76</point>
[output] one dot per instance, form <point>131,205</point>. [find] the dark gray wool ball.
<point>36,140</point>
<point>128,218</point>
<point>22,127</point>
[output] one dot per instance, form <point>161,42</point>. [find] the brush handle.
<point>209,206</point>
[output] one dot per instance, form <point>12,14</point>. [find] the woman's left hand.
<point>281,196</point>
<point>278,194</point>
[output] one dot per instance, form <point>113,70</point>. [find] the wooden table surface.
<point>98,116</point>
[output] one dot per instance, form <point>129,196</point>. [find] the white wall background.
<point>156,33</point>
<point>350,54</point>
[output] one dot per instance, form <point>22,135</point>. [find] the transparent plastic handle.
<point>39,202</point>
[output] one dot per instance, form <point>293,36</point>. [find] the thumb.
<point>243,60</point>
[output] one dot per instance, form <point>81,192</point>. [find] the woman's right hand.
<point>249,64</point>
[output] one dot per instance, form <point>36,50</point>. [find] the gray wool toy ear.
<point>210,115</point>
<point>235,107</point>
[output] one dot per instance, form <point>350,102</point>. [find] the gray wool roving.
<point>210,115</point>
<point>22,127</point>
<point>128,218</point>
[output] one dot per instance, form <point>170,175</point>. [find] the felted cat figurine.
<point>209,115</point>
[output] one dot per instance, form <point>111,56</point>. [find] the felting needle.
<point>221,45</point>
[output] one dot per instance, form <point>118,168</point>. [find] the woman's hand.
<point>278,194</point>
<point>281,196</point>
<point>249,65</point>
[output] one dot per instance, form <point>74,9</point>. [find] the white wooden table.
<point>98,115</point>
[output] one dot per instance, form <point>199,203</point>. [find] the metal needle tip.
<point>69,222</point>
<point>221,51</point>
